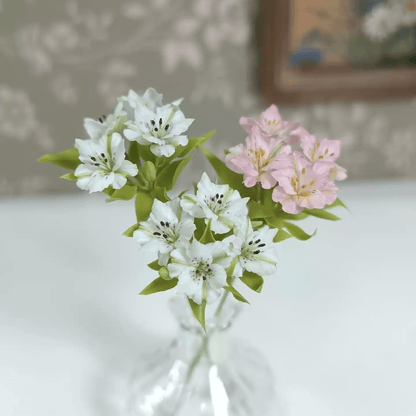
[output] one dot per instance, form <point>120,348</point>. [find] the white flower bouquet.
<point>205,240</point>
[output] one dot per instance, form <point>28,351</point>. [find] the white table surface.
<point>337,322</point>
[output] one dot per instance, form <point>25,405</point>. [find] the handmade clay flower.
<point>219,204</point>
<point>105,125</point>
<point>151,99</point>
<point>258,158</point>
<point>161,129</point>
<point>254,250</point>
<point>103,164</point>
<point>166,227</point>
<point>326,151</point>
<point>200,269</point>
<point>270,123</point>
<point>306,185</point>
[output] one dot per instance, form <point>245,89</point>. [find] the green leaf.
<point>169,175</point>
<point>193,143</point>
<point>252,280</point>
<point>133,153</point>
<point>143,204</point>
<point>257,210</point>
<point>236,294</point>
<point>199,311</point>
<point>281,235</point>
<point>154,265</point>
<point>108,191</point>
<point>227,176</point>
<point>200,228</point>
<point>129,232</point>
<point>145,153</point>
<point>297,232</point>
<point>126,193</point>
<point>320,213</point>
<point>69,176</point>
<point>207,236</point>
<point>337,203</point>
<point>68,159</point>
<point>160,193</point>
<point>159,285</point>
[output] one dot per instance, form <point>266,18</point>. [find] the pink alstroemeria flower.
<point>305,185</point>
<point>258,158</point>
<point>325,151</point>
<point>270,123</point>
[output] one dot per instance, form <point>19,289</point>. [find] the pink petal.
<point>297,135</point>
<point>332,147</point>
<point>267,181</point>
<point>250,181</point>
<point>272,113</point>
<point>291,207</point>
<point>278,194</point>
<point>248,123</point>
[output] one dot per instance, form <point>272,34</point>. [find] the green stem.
<point>258,192</point>
<point>222,302</point>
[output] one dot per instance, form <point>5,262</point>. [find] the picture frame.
<point>339,81</point>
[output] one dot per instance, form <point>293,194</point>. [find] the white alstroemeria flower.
<point>105,125</point>
<point>151,99</point>
<point>103,163</point>
<point>161,129</point>
<point>218,203</point>
<point>200,269</point>
<point>166,227</point>
<point>254,250</point>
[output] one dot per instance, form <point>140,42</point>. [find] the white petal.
<point>119,181</point>
<point>200,252</point>
<point>162,150</point>
<point>218,278</point>
<point>261,266</point>
<point>129,168</point>
<point>131,134</point>
<point>94,128</point>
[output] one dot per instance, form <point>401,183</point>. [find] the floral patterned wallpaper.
<point>63,60</point>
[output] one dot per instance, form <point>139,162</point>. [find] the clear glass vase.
<point>203,373</point>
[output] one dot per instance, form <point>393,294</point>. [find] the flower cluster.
<point>304,179</point>
<point>225,230</point>
<point>141,119</point>
<point>226,247</point>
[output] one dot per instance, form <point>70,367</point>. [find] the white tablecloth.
<point>337,322</point>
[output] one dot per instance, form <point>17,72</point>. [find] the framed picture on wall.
<point>323,50</point>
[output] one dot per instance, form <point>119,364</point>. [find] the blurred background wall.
<point>61,61</point>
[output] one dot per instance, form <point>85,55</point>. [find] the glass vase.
<point>203,373</point>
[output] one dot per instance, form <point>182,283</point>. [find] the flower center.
<point>316,155</point>
<point>304,190</point>
<point>102,161</point>
<point>202,271</point>
<point>272,126</point>
<point>254,247</point>
<point>159,128</point>
<point>216,203</point>
<point>259,159</point>
<point>166,232</point>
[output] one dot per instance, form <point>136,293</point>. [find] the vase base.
<point>239,383</point>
